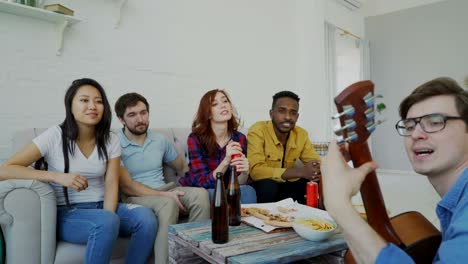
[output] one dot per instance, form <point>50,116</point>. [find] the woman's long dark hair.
<point>201,126</point>
<point>70,128</point>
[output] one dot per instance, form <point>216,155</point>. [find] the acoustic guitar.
<point>410,231</point>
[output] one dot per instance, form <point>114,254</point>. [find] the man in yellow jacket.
<point>273,149</point>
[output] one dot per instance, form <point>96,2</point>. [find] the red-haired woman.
<point>212,143</point>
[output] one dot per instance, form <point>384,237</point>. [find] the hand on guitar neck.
<point>340,183</point>
<point>334,165</point>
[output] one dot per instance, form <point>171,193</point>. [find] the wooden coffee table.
<point>191,243</point>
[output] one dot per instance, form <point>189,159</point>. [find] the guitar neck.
<point>374,204</point>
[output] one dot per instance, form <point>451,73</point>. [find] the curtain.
<point>330,68</point>
<point>365,59</point>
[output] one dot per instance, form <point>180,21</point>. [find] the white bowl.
<point>309,233</point>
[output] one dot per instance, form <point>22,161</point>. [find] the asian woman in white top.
<point>86,186</point>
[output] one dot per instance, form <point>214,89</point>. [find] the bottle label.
<point>236,156</point>
<point>312,194</point>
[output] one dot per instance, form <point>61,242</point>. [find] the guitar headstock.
<point>357,110</point>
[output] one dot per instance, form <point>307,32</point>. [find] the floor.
<point>405,192</point>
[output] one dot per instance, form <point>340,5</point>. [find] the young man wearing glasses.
<point>435,129</point>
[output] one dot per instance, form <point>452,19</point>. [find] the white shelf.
<point>61,21</point>
<point>118,16</point>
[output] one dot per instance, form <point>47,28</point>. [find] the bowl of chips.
<point>314,229</point>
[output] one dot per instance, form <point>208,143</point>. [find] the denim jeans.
<point>270,191</point>
<point>90,224</point>
<point>248,194</point>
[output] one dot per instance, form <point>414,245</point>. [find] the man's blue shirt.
<point>145,163</point>
<point>452,212</point>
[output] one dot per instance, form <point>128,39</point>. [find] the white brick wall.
<point>171,51</point>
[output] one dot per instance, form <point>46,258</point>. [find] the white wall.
<point>342,17</point>
<point>171,51</point>
<point>408,49</point>
<point>379,7</point>
<point>399,189</point>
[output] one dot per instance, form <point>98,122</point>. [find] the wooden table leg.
<point>179,254</point>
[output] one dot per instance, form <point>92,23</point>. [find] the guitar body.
<point>409,231</point>
<point>420,237</point>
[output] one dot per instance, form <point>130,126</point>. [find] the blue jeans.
<point>90,224</point>
<point>248,194</point>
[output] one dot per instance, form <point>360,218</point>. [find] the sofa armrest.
<point>28,211</point>
<point>321,147</point>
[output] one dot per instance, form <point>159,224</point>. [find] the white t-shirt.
<point>92,168</point>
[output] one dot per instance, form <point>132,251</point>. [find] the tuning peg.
<point>370,114</point>
<point>371,125</point>
<point>369,99</point>
<point>348,110</point>
<point>349,125</point>
<point>352,137</point>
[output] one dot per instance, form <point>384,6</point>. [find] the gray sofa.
<point>28,212</point>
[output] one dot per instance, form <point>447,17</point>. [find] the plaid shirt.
<point>201,166</point>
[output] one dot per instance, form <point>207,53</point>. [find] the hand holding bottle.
<point>232,148</point>
<point>240,162</point>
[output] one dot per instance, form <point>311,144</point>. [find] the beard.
<point>279,127</point>
<point>138,132</point>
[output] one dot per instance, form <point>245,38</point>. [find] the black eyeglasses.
<point>429,123</point>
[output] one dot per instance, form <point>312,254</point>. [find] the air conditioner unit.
<point>351,4</point>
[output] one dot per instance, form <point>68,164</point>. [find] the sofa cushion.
<point>73,253</point>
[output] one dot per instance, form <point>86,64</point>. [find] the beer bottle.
<point>219,223</point>
<point>233,198</point>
